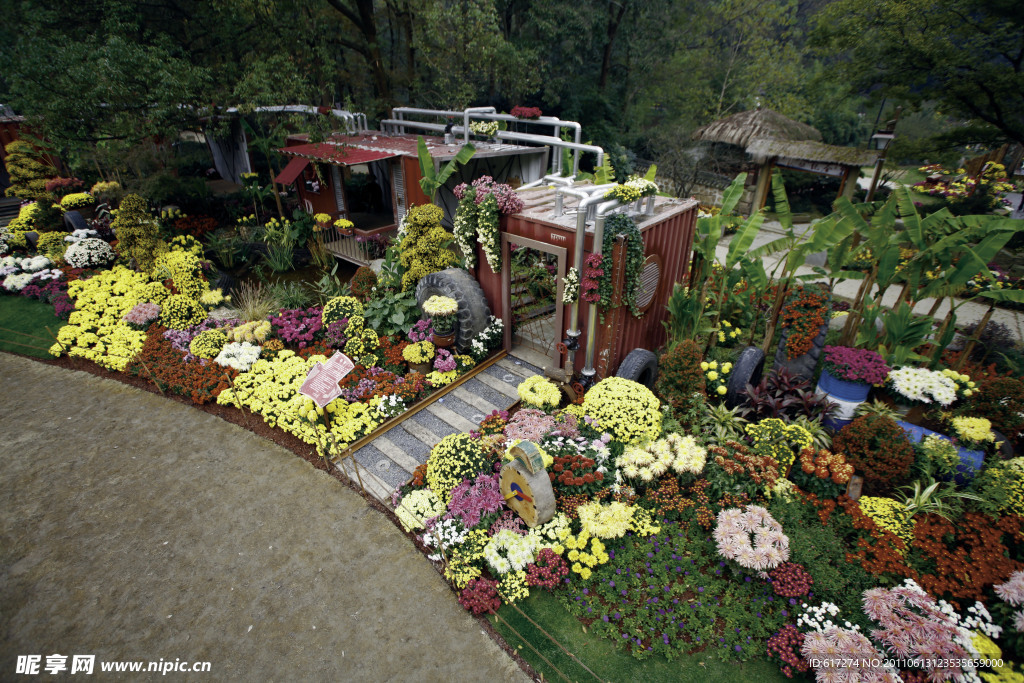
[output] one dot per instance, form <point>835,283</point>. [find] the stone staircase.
<point>389,460</point>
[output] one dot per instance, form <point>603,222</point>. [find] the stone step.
<point>476,401</point>
<point>396,454</point>
<point>459,422</point>
<point>499,385</point>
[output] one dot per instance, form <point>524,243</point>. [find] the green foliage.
<point>137,233</point>
<point>52,245</point>
<point>27,172</point>
<point>392,312</point>
<point>424,247</point>
<point>291,294</point>
<point>21,320</point>
<point>433,180</point>
<point>621,224</point>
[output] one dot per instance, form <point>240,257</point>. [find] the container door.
<point>532,281</point>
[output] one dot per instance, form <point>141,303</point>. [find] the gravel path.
<point>136,528</point>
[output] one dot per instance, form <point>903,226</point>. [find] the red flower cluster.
<point>391,351</point>
<point>590,280</point>
<point>197,226</point>
<point>480,596</point>
<point>162,364</point>
<point>791,580</point>
<point>786,644</point>
<point>526,112</point>
<point>803,315</point>
<point>547,571</point>
<point>577,472</point>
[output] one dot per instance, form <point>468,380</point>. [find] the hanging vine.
<point>464,226</point>
<point>621,224</point>
<point>487,231</point>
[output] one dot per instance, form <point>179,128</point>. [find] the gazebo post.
<point>764,179</point>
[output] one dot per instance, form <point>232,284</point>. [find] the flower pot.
<point>846,395</point>
<point>971,462</point>
<point>443,341</point>
<point>422,368</point>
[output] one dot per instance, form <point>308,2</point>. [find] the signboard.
<point>321,383</point>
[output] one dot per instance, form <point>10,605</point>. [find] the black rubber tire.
<point>1006,450</point>
<point>805,365</point>
<point>458,284</point>
<point>747,369</point>
<point>223,281</point>
<point>74,220</point>
<point>640,365</point>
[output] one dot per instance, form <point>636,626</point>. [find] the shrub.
<point>424,248</point>
<point>137,233</point>
<point>52,245</point>
<point>341,307</point>
<point>28,174</point>
<point>207,344</point>
<point>785,396</point>
<point>627,410</point>
<point>876,446</point>
<point>732,468</point>
<point>680,377</point>
<point>363,282</point>
<point>180,312</point>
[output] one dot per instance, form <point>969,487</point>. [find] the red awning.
<point>340,155</point>
<point>291,171</point>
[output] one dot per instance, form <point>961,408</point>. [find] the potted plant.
<point>78,201</point>
<point>974,436</point>
<point>419,356</point>
<point>847,376</point>
<point>913,389</point>
<point>345,227</point>
<point>442,311</point>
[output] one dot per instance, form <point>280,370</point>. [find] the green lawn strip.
<point>601,655</point>
<point>28,318</point>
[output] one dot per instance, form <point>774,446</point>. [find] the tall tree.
<point>966,54</point>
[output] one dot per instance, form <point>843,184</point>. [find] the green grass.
<point>601,655</point>
<point>22,320</point>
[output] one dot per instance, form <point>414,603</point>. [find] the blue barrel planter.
<point>847,396</point>
<point>971,462</point>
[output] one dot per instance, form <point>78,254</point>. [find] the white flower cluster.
<point>491,337</point>
<point>388,406</point>
<point>645,187</point>
<point>418,508</point>
<point>571,287</point>
<point>238,355</point>
<point>443,535</point>
<point>11,265</point>
<point>817,617</point>
<point>770,547</point>
<point>89,253</point>
<point>551,533</point>
<point>519,551</point>
<point>923,385</point>
<point>680,453</point>
<point>4,235</point>
<point>81,234</point>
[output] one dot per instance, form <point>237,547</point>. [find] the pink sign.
<point>321,383</point>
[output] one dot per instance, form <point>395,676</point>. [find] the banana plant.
<point>433,180</point>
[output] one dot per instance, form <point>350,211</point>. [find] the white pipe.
<point>588,371</point>
<point>555,179</point>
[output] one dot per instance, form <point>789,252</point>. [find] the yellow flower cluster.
<point>183,268</point>
<point>442,306</point>
<point>187,243</point>
<point>728,335</point>
<point>417,508</point>
<point>552,533</point>
<point>271,389</point>
<point>717,376</point>
<point>889,515</point>
<point>254,332</point>
<point>463,565</point>
<point>96,330</point>
<point>680,453</point>
<point>627,410</point>
<point>179,312</point>
<point>614,520</point>
<point>208,343</point>
<point>779,440</point>
<point>974,430</point>
<point>418,352</point>
<point>322,218</point>
<point>585,553</point>
<point>441,379</point>
<point>76,200</point>
<point>341,307</point>
<point>538,392</point>
<point>512,586</point>
<point>965,387</point>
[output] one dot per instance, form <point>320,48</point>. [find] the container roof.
<point>345,149</point>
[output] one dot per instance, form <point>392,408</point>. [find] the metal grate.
<point>339,192</point>
<point>650,278</point>
<point>398,176</point>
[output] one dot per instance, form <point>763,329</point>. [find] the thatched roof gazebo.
<point>772,139</point>
<point>740,129</point>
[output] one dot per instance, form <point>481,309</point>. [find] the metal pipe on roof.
<point>552,178</point>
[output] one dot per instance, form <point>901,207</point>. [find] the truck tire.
<point>805,364</point>
<point>223,281</point>
<point>640,365</point>
<point>747,369</point>
<point>458,284</point>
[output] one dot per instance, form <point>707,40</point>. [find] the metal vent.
<point>398,177</point>
<point>339,192</point>
<point>650,278</point>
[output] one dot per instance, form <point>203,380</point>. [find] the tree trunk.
<point>614,20</point>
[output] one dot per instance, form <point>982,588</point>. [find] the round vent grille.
<point>650,277</point>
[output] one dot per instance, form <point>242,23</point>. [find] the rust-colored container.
<point>668,241</point>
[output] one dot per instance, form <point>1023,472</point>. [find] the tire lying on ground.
<point>458,284</point>
<point>747,369</point>
<point>640,365</point>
